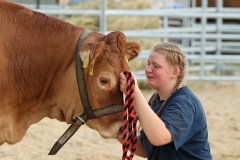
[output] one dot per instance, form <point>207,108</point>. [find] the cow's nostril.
<point>121,129</point>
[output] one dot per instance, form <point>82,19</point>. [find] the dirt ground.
<point>221,103</point>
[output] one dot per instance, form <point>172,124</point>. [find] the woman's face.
<point>158,71</point>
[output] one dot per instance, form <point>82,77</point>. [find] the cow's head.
<point>108,56</point>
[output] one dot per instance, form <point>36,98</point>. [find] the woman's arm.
<point>152,125</point>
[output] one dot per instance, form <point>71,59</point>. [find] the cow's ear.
<point>96,52</point>
<point>132,50</point>
<point>85,54</point>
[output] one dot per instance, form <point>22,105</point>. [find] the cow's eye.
<point>104,81</point>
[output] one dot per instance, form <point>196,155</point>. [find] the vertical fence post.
<point>38,4</point>
<point>219,5</point>
<point>165,20</point>
<point>103,16</point>
<point>203,38</point>
<point>192,25</point>
<point>185,23</point>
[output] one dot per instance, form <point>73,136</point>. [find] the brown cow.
<point>212,3</point>
<point>226,4</point>
<point>38,72</point>
<point>63,1</point>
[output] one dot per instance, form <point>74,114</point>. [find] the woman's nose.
<point>148,68</point>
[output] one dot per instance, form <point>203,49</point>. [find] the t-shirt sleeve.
<point>179,119</point>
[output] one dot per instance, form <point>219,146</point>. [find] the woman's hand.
<point>123,82</point>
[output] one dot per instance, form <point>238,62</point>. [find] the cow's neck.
<point>53,95</point>
<point>63,102</point>
<point>58,100</point>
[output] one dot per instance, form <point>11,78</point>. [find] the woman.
<point>174,127</point>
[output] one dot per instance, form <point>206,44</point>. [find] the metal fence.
<point>212,47</point>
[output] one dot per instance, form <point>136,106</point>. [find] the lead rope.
<point>130,120</point>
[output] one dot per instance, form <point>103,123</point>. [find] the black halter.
<point>89,113</point>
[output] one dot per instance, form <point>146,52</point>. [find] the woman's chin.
<point>149,80</point>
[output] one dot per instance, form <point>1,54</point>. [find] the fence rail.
<point>212,49</point>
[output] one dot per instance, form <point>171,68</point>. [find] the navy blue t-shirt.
<point>185,119</point>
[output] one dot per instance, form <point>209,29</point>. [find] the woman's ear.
<point>176,72</point>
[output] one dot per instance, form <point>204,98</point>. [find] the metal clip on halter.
<point>80,120</point>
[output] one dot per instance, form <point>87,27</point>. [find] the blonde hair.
<point>175,57</point>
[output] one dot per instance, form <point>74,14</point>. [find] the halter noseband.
<point>89,113</point>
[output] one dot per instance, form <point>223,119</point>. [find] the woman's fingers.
<point>123,82</point>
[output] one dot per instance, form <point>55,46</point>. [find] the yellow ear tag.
<point>91,71</point>
<point>86,60</point>
<point>126,59</point>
